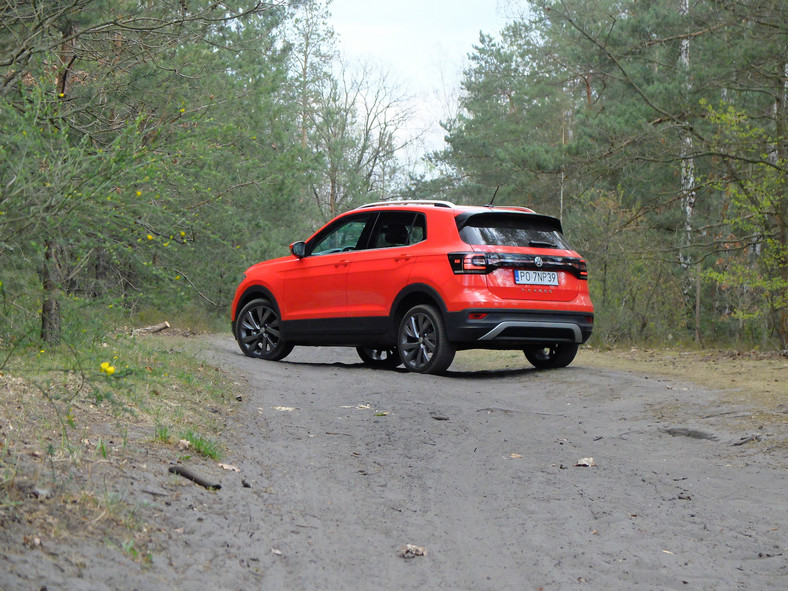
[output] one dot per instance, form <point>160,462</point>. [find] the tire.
<point>422,343</point>
<point>257,331</point>
<point>551,356</point>
<point>384,358</point>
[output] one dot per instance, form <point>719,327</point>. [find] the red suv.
<point>411,282</point>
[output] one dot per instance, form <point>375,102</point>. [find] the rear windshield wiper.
<point>539,244</point>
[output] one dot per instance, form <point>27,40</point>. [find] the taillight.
<point>476,263</point>
<point>472,263</point>
<point>581,267</point>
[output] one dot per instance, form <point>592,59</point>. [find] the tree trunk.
<point>781,212</point>
<point>688,184</point>
<point>102,268</point>
<point>50,310</point>
<point>697,306</point>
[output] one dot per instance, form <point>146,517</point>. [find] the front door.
<point>316,287</point>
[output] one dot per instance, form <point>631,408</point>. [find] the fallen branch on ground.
<point>194,477</point>
<point>150,329</point>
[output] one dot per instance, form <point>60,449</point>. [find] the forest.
<point>150,151</point>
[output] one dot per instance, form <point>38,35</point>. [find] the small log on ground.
<point>194,477</point>
<point>151,329</point>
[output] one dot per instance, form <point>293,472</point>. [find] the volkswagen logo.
<point>538,261</point>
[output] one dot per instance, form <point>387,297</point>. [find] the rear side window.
<point>398,228</point>
<point>497,229</point>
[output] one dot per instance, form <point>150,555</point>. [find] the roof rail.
<point>401,202</point>
<point>512,208</point>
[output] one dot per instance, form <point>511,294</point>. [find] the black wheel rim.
<point>418,340</point>
<point>259,332</point>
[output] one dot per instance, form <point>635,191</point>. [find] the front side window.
<point>496,229</point>
<point>347,234</point>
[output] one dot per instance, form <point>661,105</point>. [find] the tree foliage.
<point>676,108</point>
<point>153,150</point>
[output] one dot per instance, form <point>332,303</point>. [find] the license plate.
<point>535,277</point>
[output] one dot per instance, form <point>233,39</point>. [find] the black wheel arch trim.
<point>417,289</point>
<point>253,292</point>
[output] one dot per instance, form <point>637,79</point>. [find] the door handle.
<point>342,263</point>
<point>404,257</point>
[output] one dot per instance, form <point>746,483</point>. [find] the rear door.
<point>380,272</point>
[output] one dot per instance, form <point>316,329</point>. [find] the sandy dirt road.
<point>342,466</point>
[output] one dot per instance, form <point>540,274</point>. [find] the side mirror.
<point>298,249</point>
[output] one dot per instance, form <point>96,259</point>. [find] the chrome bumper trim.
<point>524,324</point>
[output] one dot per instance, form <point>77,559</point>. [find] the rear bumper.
<point>503,329</point>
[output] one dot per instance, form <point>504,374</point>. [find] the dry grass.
<point>756,380</point>
<point>753,379</point>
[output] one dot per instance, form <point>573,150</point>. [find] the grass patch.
<point>79,419</point>
<point>206,447</point>
<point>161,433</point>
<point>135,381</point>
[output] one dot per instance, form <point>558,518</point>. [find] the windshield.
<point>500,229</point>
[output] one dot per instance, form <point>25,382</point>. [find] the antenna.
<point>490,204</point>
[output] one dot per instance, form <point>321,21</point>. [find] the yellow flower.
<point>177,277</point>
<point>150,237</point>
<point>183,233</point>
<point>110,370</point>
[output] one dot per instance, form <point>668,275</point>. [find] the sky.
<point>423,44</point>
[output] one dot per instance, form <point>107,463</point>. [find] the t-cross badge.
<point>412,282</point>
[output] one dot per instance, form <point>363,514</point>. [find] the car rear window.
<point>501,229</point>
